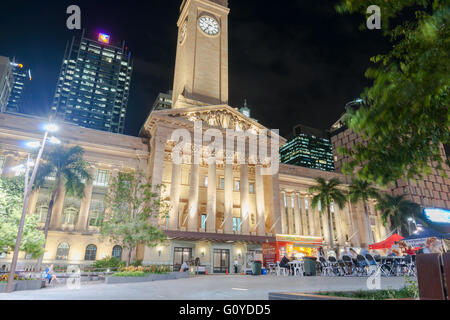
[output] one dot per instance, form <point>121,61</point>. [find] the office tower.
<point>309,148</point>
<point>22,78</point>
<point>163,101</point>
<point>6,82</point>
<point>94,83</point>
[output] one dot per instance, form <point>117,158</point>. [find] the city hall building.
<point>219,211</point>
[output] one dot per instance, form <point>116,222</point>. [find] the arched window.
<point>62,252</point>
<point>117,252</point>
<point>91,252</point>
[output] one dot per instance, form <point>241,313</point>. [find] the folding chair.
<point>334,265</point>
<point>325,266</point>
<point>279,269</point>
<point>361,264</point>
<point>349,266</point>
<point>298,268</point>
<point>373,264</point>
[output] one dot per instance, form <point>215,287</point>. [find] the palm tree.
<point>397,210</point>
<point>69,169</point>
<point>362,190</point>
<point>325,193</point>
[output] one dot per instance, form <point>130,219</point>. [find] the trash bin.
<point>310,266</point>
<point>256,268</point>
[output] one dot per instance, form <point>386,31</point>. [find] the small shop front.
<point>289,245</point>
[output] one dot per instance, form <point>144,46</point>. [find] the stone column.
<point>290,215</point>
<point>175,196</point>
<point>339,222</point>
<point>83,216</point>
<point>324,221</point>
<point>357,225</point>
<point>383,231</point>
<point>245,206</point>
<point>273,191</point>
<point>283,202</point>
<point>156,169</point>
<point>58,206</point>
<point>10,162</point>
<point>228,199</point>
<point>259,186</point>
<point>297,215</point>
<point>34,195</point>
<point>212,198</point>
<point>311,216</point>
<point>304,228</point>
<point>193,198</point>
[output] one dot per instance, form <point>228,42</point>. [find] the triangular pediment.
<point>220,116</point>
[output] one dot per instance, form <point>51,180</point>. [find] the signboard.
<point>269,253</point>
<point>305,240</point>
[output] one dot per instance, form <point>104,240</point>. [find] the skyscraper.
<point>94,83</point>
<point>309,148</point>
<point>6,82</point>
<point>22,77</point>
<point>163,101</point>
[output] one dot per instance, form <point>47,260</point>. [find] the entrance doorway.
<point>181,255</point>
<point>221,260</point>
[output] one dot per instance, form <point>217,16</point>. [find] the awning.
<point>386,244</point>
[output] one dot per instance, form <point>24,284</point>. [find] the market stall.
<point>387,243</point>
<point>288,245</point>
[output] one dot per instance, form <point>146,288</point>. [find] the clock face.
<point>209,25</point>
<point>183,32</point>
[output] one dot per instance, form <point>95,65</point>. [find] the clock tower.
<point>201,66</point>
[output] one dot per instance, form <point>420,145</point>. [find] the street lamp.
<point>50,127</point>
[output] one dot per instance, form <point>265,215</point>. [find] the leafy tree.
<point>325,193</point>
<point>11,202</point>
<point>362,190</point>
<point>405,116</point>
<point>130,208</point>
<point>397,210</point>
<point>69,169</point>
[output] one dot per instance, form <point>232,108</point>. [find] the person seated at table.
<point>409,251</point>
<point>284,263</point>
<point>321,253</point>
<point>184,267</point>
<point>391,253</point>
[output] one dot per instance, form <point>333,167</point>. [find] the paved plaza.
<point>213,287</point>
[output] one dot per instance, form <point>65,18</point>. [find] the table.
<point>297,265</point>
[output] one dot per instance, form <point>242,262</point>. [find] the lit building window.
<point>251,188</point>
<point>206,181</point>
<point>203,221</point>
<point>237,185</point>
<point>237,224</point>
<point>101,178</point>
<point>306,204</point>
<point>91,252</point>
<point>62,252</point>
<point>117,252</point>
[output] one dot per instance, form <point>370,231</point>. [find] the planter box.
<point>24,285</point>
<point>3,287</point>
<point>303,296</point>
<point>152,277</point>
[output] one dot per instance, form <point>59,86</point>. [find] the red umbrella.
<point>386,244</point>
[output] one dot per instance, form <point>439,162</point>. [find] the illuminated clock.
<point>183,32</point>
<point>209,25</point>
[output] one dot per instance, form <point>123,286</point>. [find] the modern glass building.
<point>93,87</point>
<point>163,101</point>
<point>309,148</point>
<point>22,78</point>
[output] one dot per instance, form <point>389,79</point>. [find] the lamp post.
<point>28,186</point>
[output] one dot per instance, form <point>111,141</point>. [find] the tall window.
<point>62,252</point>
<point>42,211</point>
<point>96,212</point>
<point>237,185</point>
<point>91,252</point>
<point>70,215</point>
<point>117,252</point>
<point>251,188</point>
<point>237,224</point>
<point>222,183</point>
<point>206,181</point>
<point>101,178</point>
<point>203,222</point>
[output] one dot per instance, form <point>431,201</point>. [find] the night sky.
<point>295,61</point>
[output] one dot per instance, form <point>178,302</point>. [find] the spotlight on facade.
<point>54,140</point>
<point>33,144</point>
<point>51,127</point>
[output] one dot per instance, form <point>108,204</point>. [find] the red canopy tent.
<point>386,244</point>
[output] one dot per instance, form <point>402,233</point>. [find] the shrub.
<point>153,269</point>
<point>130,274</point>
<point>108,262</point>
<point>137,263</point>
<point>5,277</point>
